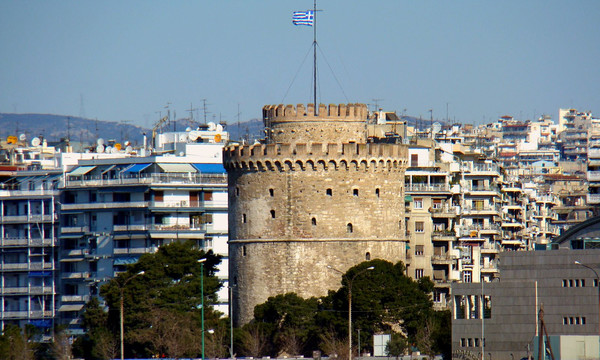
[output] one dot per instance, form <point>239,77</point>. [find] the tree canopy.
<point>162,305</point>
<point>384,300</point>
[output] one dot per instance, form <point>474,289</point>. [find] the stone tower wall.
<point>334,123</point>
<point>295,208</point>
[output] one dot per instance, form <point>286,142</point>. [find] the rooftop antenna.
<point>205,110</point>
<point>81,108</point>
<point>431,122</point>
<point>376,101</point>
<point>191,110</point>
<point>68,128</point>
<point>238,117</point>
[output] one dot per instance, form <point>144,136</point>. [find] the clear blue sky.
<point>127,59</point>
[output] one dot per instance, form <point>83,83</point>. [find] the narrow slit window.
<point>272,214</point>
<point>271,192</point>
<point>244,218</point>
<point>349,228</point>
<point>355,192</point>
<point>329,192</point>
<point>313,221</point>
<point>377,192</point>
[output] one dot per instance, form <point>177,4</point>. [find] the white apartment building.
<point>28,248</point>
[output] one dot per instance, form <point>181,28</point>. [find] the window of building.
<point>467,276</point>
<point>583,320</point>
<point>463,342</point>
<point>368,256</point>
<point>244,218</point>
<point>272,214</point>
<point>437,203</point>
<point>570,282</point>
<point>244,250</point>
<point>476,342</point>
<point>418,273</point>
<point>377,192</point>
<point>237,191</point>
<point>271,192</point>
<point>565,321</point>
<point>595,282</point>
<point>329,192</point>
<point>419,226</point>
<point>355,192</point>
<point>414,160</point>
<point>565,283</point>
<point>582,282</point>
<point>419,250</point>
<point>418,203</point>
<point>313,221</point>
<point>576,282</point>
<point>349,228</point>
<point>470,342</point>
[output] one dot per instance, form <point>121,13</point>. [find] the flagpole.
<point>315,57</point>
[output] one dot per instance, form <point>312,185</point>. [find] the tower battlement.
<point>371,155</point>
<point>341,112</point>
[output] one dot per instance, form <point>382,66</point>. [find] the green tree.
<point>15,345</point>
<point>162,307</point>
<point>396,346</point>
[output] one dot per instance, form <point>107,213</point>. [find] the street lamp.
<point>350,281</point>
<point>122,288</point>
<point>597,284</point>
<point>202,261</point>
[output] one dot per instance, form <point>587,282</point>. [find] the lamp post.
<point>202,261</point>
<point>231,321</point>
<point>597,284</point>
<point>350,281</point>
<point>122,288</point>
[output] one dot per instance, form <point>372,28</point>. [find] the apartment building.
<point>114,211</point>
<point>28,248</point>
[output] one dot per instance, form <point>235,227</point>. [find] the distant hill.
<point>56,127</point>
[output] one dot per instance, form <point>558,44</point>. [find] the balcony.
<point>151,179</point>
<point>5,242</point>
<point>26,218</point>
<point>593,175</point>
<point>76,275</point>
<point>443,235</point>
<point>427,188</point>
<point>593,198</point>
<point>481,210</point>
<point>443,259</point>
<point>27,290</point>
<point>445,211</point>
<point>74,229</point>
<point>107,205</point>
<point>138,250</point>
<point>134,227</point>
<point>594,153</point>
<point>75,298</point>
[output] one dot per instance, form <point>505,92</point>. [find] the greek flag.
<point>303,18</point>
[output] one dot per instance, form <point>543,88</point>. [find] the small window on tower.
<point>313,221</point>
<point>377,192</point>
<point>368,256</point>
<point>329,192</point>
<point>355,192</point>
<point>349,228</point>
<point>272,214</point>
<point>271,192</point>
<point>244,218</point>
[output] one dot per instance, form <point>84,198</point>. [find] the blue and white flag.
<point>303,18</point>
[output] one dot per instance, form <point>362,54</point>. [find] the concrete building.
<point>315,194</point>
<point>113,211</point>
<point>28,248</point>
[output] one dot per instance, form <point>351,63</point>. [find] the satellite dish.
<point>11,139</point>
<point>108,149</point>
<point>22,137</point>
<point>100,141</point>
<point>436,127</point>
<point>212,126</point>
<point>193,135</point>
<point>183,137</point>
<point>36,142</point>
<point>129,149</point>
<point>114,150</point>
<point>100,148</point>
<point>218,138</point>
<point>118,146</point>
<point>219,128</point>
<point>127,143</point>
<point>188,129</point>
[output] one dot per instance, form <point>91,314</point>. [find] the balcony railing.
<point>426,187</point>
<point>593,175</point>
<point>593,198</point>
<point>26,242</point>
<point>481,209</point>
<point>75,298</point>
<point>147,179</point>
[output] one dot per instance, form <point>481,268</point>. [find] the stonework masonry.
<point>315,194</point>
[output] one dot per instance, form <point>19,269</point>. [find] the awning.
<point>408,198</point>
<point>136,168</point>
<point>126,260</point>
<point>178,168</point>
<point>108,169</point>
<point>210,168</point>
<point>70,307</point>
<point>82,170</point>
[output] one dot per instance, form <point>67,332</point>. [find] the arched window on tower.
<point>349,228</point>
<point>313,221</point>
<point>368,256</point>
